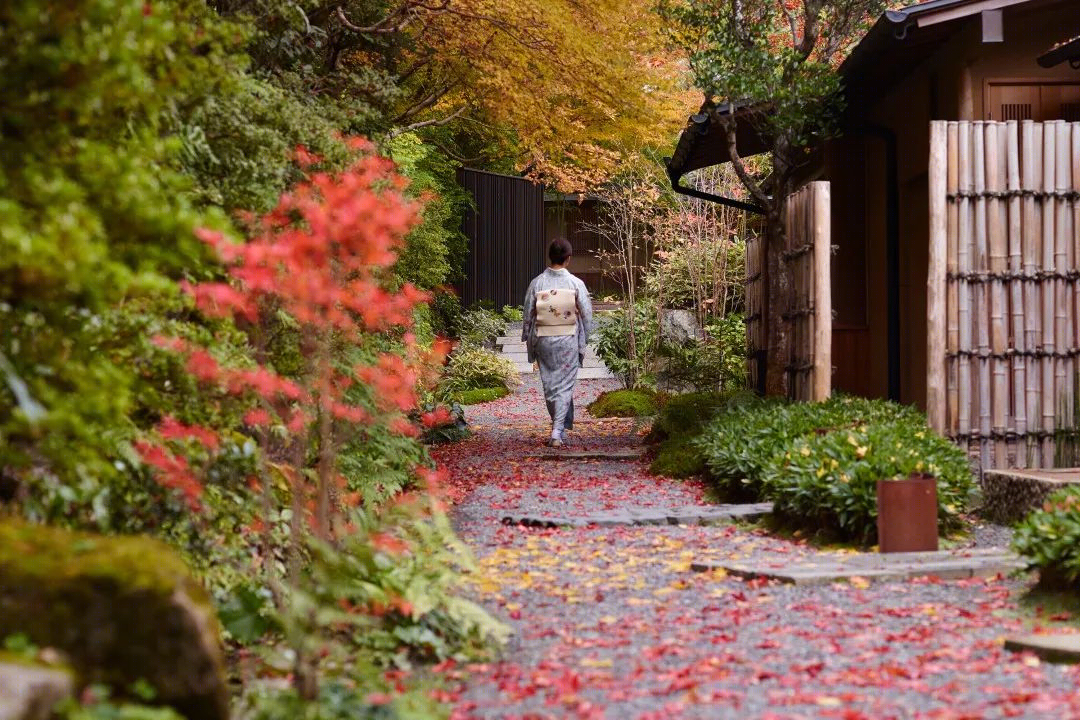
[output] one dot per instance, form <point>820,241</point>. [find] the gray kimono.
<point>559,356</point>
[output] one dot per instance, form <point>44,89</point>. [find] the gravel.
<point>610,623</point>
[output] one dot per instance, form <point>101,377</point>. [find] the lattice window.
<point>1016,111</point>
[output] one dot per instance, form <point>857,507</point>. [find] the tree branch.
<point>729,125</point>
<point>428,123</point>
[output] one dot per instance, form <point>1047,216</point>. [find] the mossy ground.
<point>676,457</point>
<point>625,403</point>
<point>480,395</point>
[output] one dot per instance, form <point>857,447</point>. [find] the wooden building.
<point>954,281</point>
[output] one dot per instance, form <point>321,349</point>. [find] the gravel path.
<point>610,623</point>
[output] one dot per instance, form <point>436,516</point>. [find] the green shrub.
<point>512,314</point>
<point>828,481</point>
<point>625,403</point>
<point>480,395</point>
<point>480,327</point>
<point>1049,539</point>
<point>739,443</point>
<point>637,369</point>
<point>716,361</point>
<point>689,413</point>
<point>678,457</point>
<point>472,367</point>
<point>446,314</point>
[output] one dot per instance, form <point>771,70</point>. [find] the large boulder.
<point>29,691</point>
<point>123,609</point>
<point>679,326</point>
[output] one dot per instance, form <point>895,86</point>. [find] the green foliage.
<point>480,327</point>
<point>678,457</point>
<point>739,444</point>
<point>472,367</point>
<point>1049,539</point>
<point>688,413</point>
<point>446,313</point>
<point>97,704</point>
<point>613,344</point>
<point>625,403</point>
<point>90,213</point>
<point>716,361</point>
<point>337,700</point>
<point>828,481</point>
<point>512,314</point>
<point>436,242</point>
<point>480,395</point>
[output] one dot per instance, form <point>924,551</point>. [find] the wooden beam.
<point>936,311</point>
<point>955,13</point>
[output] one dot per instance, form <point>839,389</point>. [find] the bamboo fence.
<point>755,295</point>
<point>808,308</point>
<point>1003,336</point>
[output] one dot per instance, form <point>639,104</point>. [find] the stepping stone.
<point>564,455</point>
<point>1051,648</point>
<point>513,347</point>
<point>827,568</point>
<point>600,373</point>
<point>689,515</point>
<point>516,357</point>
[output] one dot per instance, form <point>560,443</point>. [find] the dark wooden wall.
<point>505,228</point>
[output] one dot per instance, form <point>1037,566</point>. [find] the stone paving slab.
<point>1051,648</point>
<point>689,515</point>
<point>564,455</point>
<point>826,568</point>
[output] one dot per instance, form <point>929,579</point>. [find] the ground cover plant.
<point>472,367</point>
<point>1049,539</point>
<point>479,327</point>
<point>819,462</point>
<point>679,421</point>
<point>625,403</point>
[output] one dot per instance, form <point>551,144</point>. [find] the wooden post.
<point>935,278</point>
<point>822,291</point>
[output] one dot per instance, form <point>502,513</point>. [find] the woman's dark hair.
<point>559,251</point>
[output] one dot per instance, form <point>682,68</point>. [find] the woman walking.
<point>557,323</point>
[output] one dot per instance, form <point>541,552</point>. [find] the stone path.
<point>612,622</point>
<point>511,348</point>
<point>687,515</point>
<point>825,568</point>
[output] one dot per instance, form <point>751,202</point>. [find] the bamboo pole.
<point>822,291</point>
<point>982,296</point>
<point>1062,240</point>
<point>1016,293</point>
<point>1031,176</point>
<point>952,332</point>
<point>1048,292</point>
<point>935,277</point>
<point>998,262</point>
<point>963,287</point>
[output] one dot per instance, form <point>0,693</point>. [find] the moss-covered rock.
<point>122,608</point>
<point>625,403</point>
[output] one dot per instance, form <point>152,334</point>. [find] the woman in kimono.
<point>557,322</point>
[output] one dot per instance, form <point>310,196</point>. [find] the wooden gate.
<point>1002,297</point>
<point>807,307</point>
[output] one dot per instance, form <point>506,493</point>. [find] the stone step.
<point>689,515</point>
<point>827,568</point>
<point>595,373</point>
<point>521,360</point>
<point>1051,648</point>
